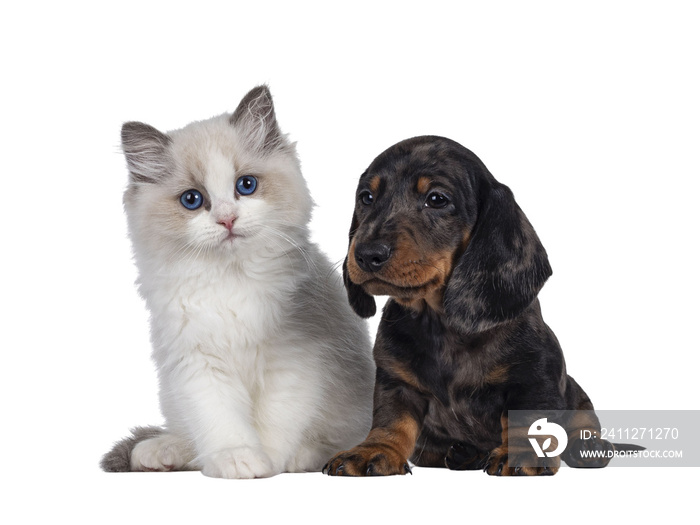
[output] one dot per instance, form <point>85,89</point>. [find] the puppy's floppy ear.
<point>364,304</point>
<point>502,269</point>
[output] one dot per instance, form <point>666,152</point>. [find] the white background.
<point>589,112</point>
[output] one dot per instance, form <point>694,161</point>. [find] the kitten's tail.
<point>119,458</point>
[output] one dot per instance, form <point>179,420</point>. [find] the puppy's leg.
<point>398,415</point>
<point>383,453</point>
<point>465,456</point>
<point>515,456</point>
<point>592,452</point>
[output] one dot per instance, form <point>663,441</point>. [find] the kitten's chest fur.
<point>229,311</point>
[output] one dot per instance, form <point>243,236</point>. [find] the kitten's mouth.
<point>230,237</point>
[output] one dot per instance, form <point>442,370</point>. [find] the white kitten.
<point>263,366</point>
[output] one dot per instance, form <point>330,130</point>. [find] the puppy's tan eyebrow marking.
<point>423,184</point>
<point>374,184</point>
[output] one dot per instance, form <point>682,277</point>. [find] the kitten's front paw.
<point>160,454</point>
<point>239,463</point>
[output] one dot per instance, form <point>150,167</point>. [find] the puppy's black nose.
<point>370,257</point>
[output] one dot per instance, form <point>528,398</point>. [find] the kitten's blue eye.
<point>191,199</point>
<point>246,185</point>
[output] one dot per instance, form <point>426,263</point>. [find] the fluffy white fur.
<point>263,366</point>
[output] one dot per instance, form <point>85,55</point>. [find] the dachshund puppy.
<point>461,340</point>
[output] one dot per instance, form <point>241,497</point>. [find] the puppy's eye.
<point>436,200</point>
<point>191,199</point>
<point>366,198</point>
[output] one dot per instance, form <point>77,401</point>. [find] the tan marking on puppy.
<point>397,369</point>
<point>405,269</point>
<point>498,374</point>
<point>374,184</point>
<point>410,277</point>
<point>446,263</point>
<point>434,299</point>
<point>423,185</point>
<point>410,267</point>
<point>466,237</point>
<point>384,452</point>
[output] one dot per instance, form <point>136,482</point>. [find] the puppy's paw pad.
<point>588,453</point>
<point>500,464</point>
<point>367,460</point>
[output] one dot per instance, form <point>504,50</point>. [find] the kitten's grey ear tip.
<point>134,125</point>
<point>258,92</point>
<point>137,131</point>
<point>129,127</point>
<point>263,93</point>
<point>256,113</point>
<point>263,89</point>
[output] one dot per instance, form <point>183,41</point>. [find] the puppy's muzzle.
<point>370,257</point>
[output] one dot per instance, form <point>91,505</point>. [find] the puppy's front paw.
<point>368,460</point>
<point>500,463</point>
<point>588,453</point>
<point>238,463</point>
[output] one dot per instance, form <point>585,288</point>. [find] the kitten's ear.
<point>255,119</point>
<point>146,151</point>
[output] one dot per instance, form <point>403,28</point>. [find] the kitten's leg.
<point>311,457</point>
<point>218,414</point>
<point>241,462</point>
<point>162,453</point>
<point>288,405</point>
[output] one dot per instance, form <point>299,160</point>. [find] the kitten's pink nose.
<point>228,222</point>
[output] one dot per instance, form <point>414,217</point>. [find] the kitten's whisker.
<point>274,240</point>
<point>279,236</point>
<point>336,266</point>
<point>185,249</point>
<point>310,263</point>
